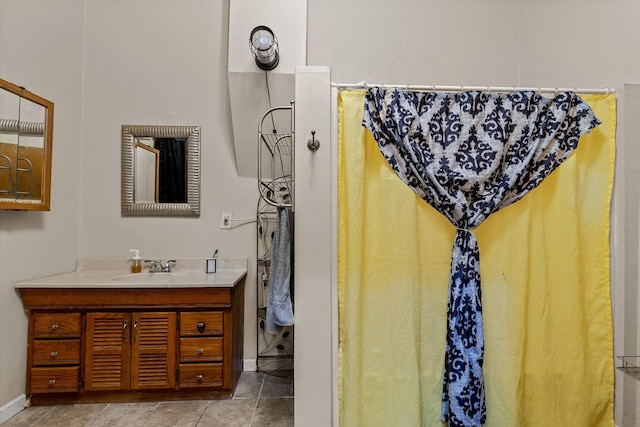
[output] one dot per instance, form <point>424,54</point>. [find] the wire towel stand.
<point>276,150</point>
<point>275,180</point>
<point>630,366</point>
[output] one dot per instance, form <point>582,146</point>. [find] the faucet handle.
<point>167,267</point>
<point>155,265</point>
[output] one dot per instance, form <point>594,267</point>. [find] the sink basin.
<point>150,278</point>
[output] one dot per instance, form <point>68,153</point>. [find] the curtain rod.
<point>436,88</point>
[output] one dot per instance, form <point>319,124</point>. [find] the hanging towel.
<point>279,308</point>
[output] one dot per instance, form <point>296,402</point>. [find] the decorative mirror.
<point>160,170</point>
<point>26,135</point>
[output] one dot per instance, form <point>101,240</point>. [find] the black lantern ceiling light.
<point>264,47</point>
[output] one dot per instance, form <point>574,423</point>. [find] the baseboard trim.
<point>12,408</point>
<point>250,365</point>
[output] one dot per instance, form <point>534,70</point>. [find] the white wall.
<point>625,234</point>
<point>315,242</point>
<point>40,49</point>
<point>564,43</point>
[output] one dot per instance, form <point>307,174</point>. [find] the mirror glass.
<point>146,171</point>
<point>160,170</point>
<point>26,134</point>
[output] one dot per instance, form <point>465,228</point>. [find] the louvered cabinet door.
<point>107,361</point>
<point>153,357</point>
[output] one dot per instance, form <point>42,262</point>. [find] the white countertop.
<point>116,273</point>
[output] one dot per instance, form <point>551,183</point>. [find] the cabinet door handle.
<point>135,327</point>
<point>199,377</point>
<point>54,354</point>
<point>200,350</point>
<point>55,326</point>
<point>201,326</point>
<point>52,381</point>
<point>124,328</point>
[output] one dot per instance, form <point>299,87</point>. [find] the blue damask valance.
<point>468,155</point>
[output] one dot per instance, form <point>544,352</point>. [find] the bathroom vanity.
<point>100,334</point>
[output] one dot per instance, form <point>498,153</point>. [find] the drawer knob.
<point>55,326</point>
<point>52,382</point>
<point>54,354</point>
<point>199,377</point>
<point>200,350</point>
<point>201,326</point>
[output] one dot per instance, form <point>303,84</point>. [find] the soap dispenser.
<point>136,261</point>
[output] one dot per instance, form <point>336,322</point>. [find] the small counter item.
<point>136,261</point>
<point>211,266</point>
<point>211,263</point>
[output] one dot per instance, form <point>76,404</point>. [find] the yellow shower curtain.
<point>545,290</point>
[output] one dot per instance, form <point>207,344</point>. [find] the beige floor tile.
<point>272,412</point>
<point>177,414</point>
<point>228,413</point>
<point>76,415</point>
<point>277,386</point>
<point>124,415</point>
<point>249,385</point>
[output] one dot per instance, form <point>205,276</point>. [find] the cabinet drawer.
<point>201,349</point>
<point>53,325</point>
<point>54,380</point>
<point>56,352</point>
<point>200,375</point>
<point>194,323</point>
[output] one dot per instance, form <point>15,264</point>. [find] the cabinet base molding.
<point>128,397</point>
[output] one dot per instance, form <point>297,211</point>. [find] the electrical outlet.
<point>225,221</point>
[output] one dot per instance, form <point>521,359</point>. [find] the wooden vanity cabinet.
<point>127,345</point>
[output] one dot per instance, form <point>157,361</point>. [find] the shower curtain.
<point>545,290</point>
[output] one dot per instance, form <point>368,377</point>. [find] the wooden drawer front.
<point>194,323</point>
<point>200,375</point>
<point>201,349</point>
<point>54,325</point>
<point>54,380</point>
<point>56,352</point>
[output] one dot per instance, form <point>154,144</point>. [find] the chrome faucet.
<point>157,267</point>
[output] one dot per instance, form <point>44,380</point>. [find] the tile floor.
<point>260,400</point>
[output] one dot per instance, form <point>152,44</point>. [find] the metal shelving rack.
<point>275,185</point>
<point>630,366</point>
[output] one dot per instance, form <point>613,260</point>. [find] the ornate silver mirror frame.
<point>130,207</point>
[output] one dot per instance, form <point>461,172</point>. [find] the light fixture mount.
<point>264,47</point>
